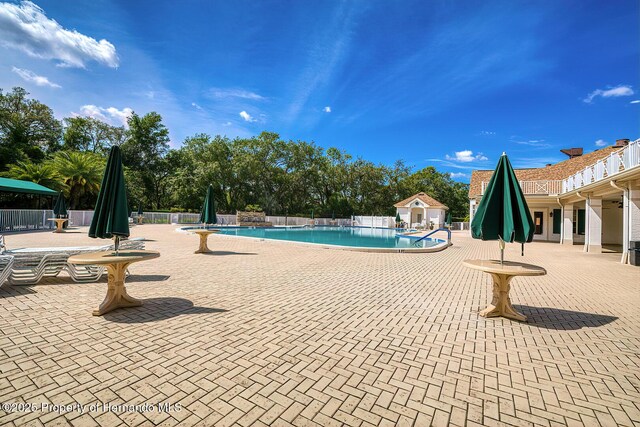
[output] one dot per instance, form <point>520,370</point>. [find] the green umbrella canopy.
<point>503,212</point>
<point>448,222</point>
<point>398,219</point>
<point>60,208</point>
<point>208,214</point>
<point>110,217</point>
<point>140,211</point>
<point>311,213</point>
<point>333,214</point>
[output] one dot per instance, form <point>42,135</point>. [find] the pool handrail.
<point>433,232</point>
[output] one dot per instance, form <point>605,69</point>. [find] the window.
<point>557,221</point>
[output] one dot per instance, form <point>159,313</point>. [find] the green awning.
<point>18,186</point>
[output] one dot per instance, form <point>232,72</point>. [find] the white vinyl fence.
<point>460,226</point>
<point>35,219</point>
<point>374,221</point>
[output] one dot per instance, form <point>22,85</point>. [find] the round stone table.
<point>116,265</point>
<point>502,275</point>
<point>204,236</point>
<point>59,223</point>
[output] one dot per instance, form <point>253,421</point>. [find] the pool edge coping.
<point>437,248</point>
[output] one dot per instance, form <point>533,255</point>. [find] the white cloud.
<point>327,109</point>
<point>466,156</point>
<point>30,76</point>
<point>110,114</point>
<point>455,175</point>
<point>621,90</point>
<point>246,116</point>
<point>27,28</point>
<point>234,93</point>
<point>227,124</point>
<point>534,143</point>
<point>637,101</point>
<point>196,106</point>
<point>601,143</point>
<point>487,133</point>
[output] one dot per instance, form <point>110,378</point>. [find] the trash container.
<point>634,252</point>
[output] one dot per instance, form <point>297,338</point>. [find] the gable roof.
<point>558,171</point>
<point>423,197</point>
<point>19,186</point>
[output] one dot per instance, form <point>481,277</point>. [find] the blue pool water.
<point>361,237</point>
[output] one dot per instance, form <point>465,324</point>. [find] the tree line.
<point>264,171</point>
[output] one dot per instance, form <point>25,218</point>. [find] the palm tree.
<point>40,173</point>
<point>80,172</point>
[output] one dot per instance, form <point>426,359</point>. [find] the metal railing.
<point>25,219</point>
<point>434,232</point>
<point>619,161</point>
<point>541,187</point>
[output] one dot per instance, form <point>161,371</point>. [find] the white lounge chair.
<point>30,269</point>
<point>33,264</point>
<point>6,266</point>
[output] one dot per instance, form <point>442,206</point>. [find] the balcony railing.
<point>542,187</point>
<point>617,162</point>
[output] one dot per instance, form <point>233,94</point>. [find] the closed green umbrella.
<point>140,211</point>
<point>208,214</point>
<point>311,213</point>
<point>110,216</point>
<point>398,219</point>
<point>60,208</point>
<point>503,213</point>
<point>448,221</point>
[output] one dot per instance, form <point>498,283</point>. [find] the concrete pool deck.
<point>274,333</point>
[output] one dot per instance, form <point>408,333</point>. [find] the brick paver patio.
<point>275,333</point>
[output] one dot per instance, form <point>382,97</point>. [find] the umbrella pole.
<point>116,244</point>
<point>501,250</point>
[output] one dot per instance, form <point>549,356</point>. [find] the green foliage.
<point>90,134</point>
<point>80,173</point>
<point>144,154</point>
<point>253,208</point>
<point>28,129</point>
<point>40,173</point>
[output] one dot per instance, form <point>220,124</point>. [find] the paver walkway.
<point>275,333</point>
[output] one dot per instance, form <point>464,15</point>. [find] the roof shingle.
<point>424,197</point>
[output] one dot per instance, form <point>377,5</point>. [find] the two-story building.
<point>590,199</point>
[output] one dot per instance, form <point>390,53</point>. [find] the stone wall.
<point>252,219</point>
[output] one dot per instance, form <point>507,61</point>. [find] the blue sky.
<point>446,83</point>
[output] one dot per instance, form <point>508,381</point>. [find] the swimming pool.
<point>355,238</point>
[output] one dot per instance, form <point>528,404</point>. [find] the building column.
<point>632,221</point>
<point>567,224</point>
<point>424,216</point>
<point>593,239</point>
<point>472,205</point>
